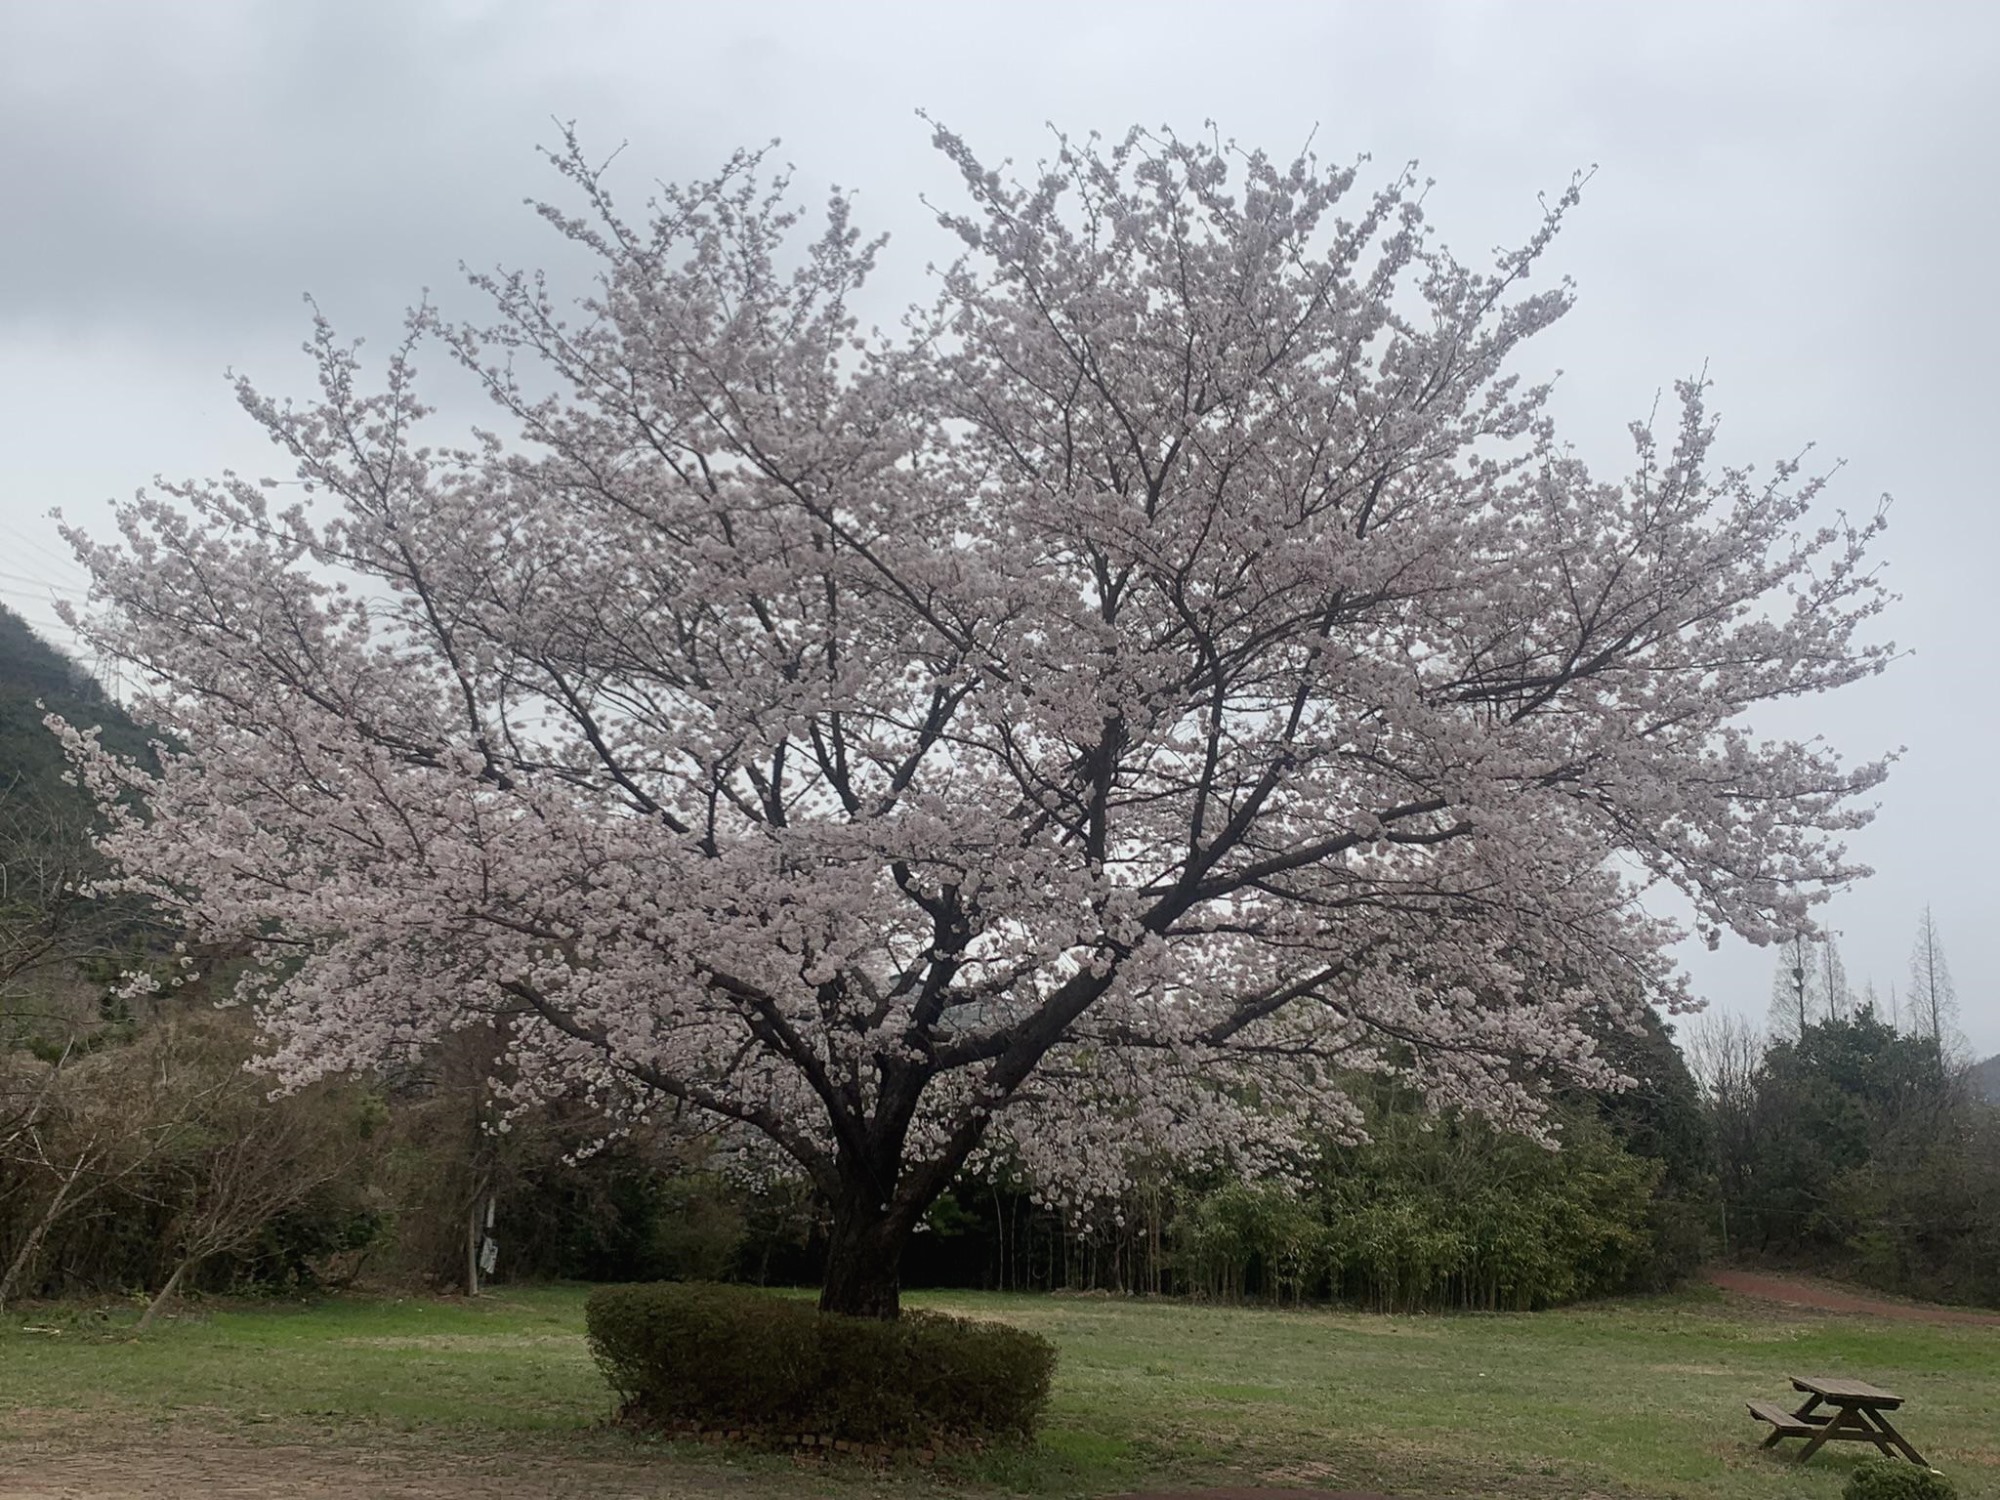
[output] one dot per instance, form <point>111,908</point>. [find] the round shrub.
<point>741,1360</point>
<point>1892,1479</point>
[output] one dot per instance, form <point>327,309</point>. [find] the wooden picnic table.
<point>1837,1411</point>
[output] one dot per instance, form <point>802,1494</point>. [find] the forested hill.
<point>31,670</point>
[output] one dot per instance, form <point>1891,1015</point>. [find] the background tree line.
<point>1850,1144</point>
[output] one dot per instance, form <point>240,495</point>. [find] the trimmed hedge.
<point>737,1359</point>
<point>1892,1479</point>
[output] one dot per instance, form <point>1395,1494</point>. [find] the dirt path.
<point>232,1473</point>
<point>48,1456</point>
<point>178,1466</point>
<point>1797,1291</point>
<point>179,1471</point>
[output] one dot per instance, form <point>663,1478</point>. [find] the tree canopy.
<point>1181,669</point>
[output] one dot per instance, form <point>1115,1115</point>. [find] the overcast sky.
<point>1804,199</point>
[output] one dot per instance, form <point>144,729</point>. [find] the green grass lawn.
<point>1638,1398</point>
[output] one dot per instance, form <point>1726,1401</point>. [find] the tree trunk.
<point>24,1257</point>
<point>864,1259</point>
<point>472,1248</point>
<point>166,1294</point>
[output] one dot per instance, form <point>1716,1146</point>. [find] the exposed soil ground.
<point>177,1467</point>
<point>1800,1291</point>
<point>199,1465</point>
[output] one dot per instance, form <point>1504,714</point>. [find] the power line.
<point>68,590</point>
<point>27,557</point>
<point>19,538</point>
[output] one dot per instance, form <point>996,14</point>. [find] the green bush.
<point>1453,1213</point>
<point>736,1359</point>
<point>1267,1236</point>
<point>1892,1479</point>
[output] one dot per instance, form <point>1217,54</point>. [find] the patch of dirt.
<point>179,1463</point>
<point>1798,1291</point>
<point>38,1463</point>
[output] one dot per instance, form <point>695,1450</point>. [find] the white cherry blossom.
<point>1181,671</point>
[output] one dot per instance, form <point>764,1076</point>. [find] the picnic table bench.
<point>1853,1413</point>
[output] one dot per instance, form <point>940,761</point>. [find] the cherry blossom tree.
<point>1179,670</point>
